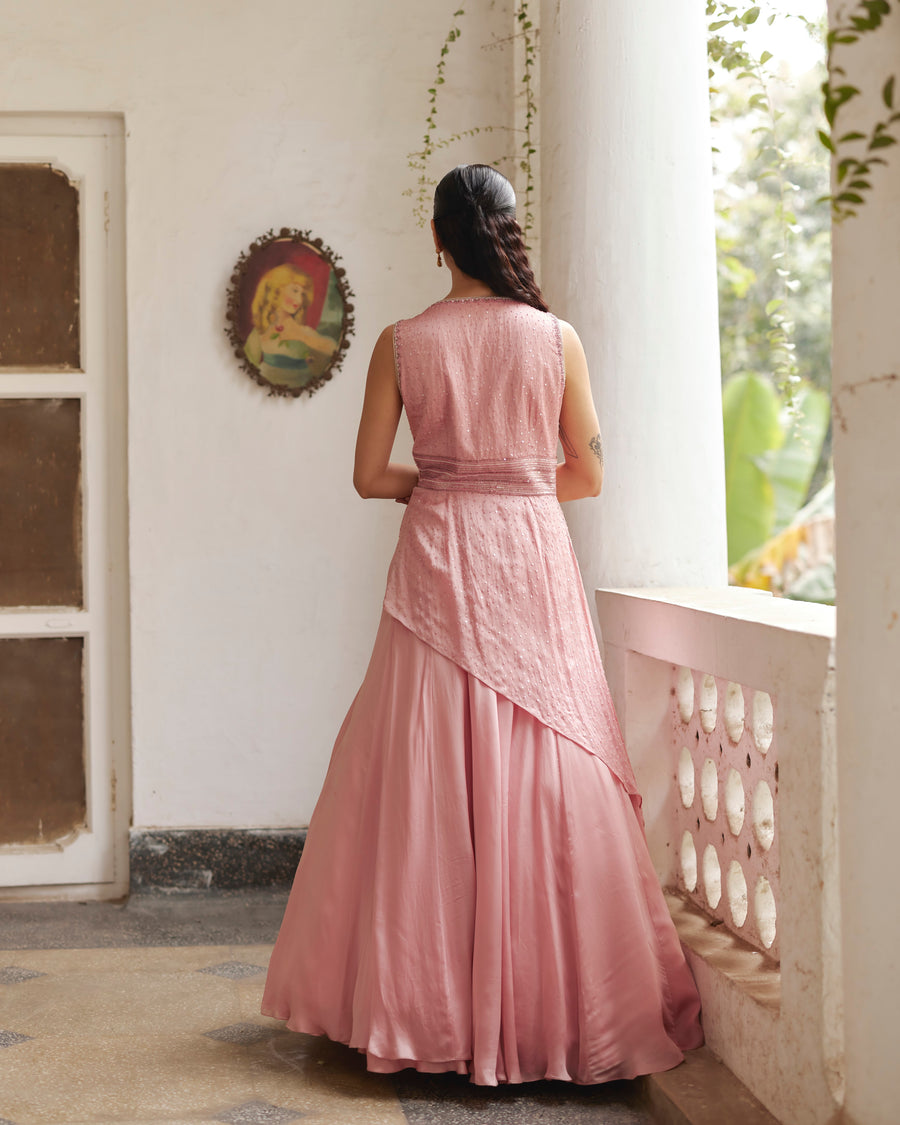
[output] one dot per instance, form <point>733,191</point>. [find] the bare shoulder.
<point>569,334</point>
<point>573,351</point>
<point>383,352</point>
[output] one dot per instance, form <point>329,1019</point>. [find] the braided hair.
<point>475,220</point>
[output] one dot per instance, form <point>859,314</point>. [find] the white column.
<point>866,411</point>
<point>628,256</point>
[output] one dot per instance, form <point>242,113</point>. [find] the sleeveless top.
<point>484,569</point>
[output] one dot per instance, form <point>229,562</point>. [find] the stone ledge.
<point>180,859</point>
<point>702,1091</point>
<point>755,974</point>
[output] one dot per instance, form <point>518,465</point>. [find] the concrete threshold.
<point>702,1091</point>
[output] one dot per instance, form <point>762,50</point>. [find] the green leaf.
<point>815,585</point>
<point>851,137</point>
<point>887,93</point>
<point>884,141</point>
<point>750,414</point>
<point>850,197</point>
<point>750,16</point>
<point>790,467</point>
<point>764,57</point>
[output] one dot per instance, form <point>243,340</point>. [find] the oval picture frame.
<point>289,313</point>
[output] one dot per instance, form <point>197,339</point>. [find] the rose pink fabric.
<point>475,893</point>
<point>485,572</point>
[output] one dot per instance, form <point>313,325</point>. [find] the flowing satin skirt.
<point>475,894</point>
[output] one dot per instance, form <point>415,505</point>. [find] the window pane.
<point>39,296</point>
<point>40,502</point>
<point>42,784</point>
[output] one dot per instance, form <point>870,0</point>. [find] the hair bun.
<point>475,219</point>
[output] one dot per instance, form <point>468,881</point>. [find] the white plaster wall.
<point>256,572</point>
<point>866,411</point>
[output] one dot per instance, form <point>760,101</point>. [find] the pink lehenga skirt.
<point>475,894</point>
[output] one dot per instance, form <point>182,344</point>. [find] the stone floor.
<point>147,1013</point>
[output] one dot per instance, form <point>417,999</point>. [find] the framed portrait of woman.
<point>289,314</point>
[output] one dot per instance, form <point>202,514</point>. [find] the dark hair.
<point>475,219</point>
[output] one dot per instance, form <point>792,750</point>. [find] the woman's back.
<point>482,381</point>
<point>484,570</point>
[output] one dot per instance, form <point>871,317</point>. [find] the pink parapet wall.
<point>725,760</point>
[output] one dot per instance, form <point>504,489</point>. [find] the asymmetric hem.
<point>451,911</point>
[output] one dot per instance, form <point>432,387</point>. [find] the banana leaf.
<point>751,409</point>
<point>790,467</point>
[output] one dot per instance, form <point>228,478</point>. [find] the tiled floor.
<point>120,1017</point>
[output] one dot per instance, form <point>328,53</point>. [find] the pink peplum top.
<point>484,569</point>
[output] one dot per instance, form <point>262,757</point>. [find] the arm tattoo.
<point>596,445</point>
<point>567,444</point>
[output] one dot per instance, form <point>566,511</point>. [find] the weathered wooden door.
<point>63,513</point>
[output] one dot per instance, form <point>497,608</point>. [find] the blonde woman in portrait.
<point>287,351</point>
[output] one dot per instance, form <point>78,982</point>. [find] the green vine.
<point>854,169</point>
<point>420,162</point>
<point>733,57</point>
<point>528,149</point>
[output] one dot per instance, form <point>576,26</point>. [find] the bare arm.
<point>374,475</point>
<point>314,339</point>
<point>581,473</point>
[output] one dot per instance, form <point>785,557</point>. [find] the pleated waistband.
<point>512,476</point>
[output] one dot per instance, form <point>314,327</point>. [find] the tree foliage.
<point>774,274</point>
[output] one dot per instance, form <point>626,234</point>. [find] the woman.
<point>287,351</point>
<point>475,893</point>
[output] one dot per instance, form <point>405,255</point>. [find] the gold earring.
<point>439,262</point>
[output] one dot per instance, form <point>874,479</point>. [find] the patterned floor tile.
<point>13,974</point>
<point>243,1033</point>
<point>233,970</point>
<point>450,1099</point>
<point>259,1113</point>
<point>120,1003</point>
<point>11,1038</point>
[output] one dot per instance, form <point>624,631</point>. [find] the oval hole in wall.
<point>763,722</point>
<point>709,703</point>
<point>736,886</point>
<point>709,789</point>
<point>686,777</point>
<point>712,876</point>
<point>689,861</point>
<point>764,911</point>
<point>684,693</point>
<point>734,712</point>
<point>734,802</point>
<point>763,815</point>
